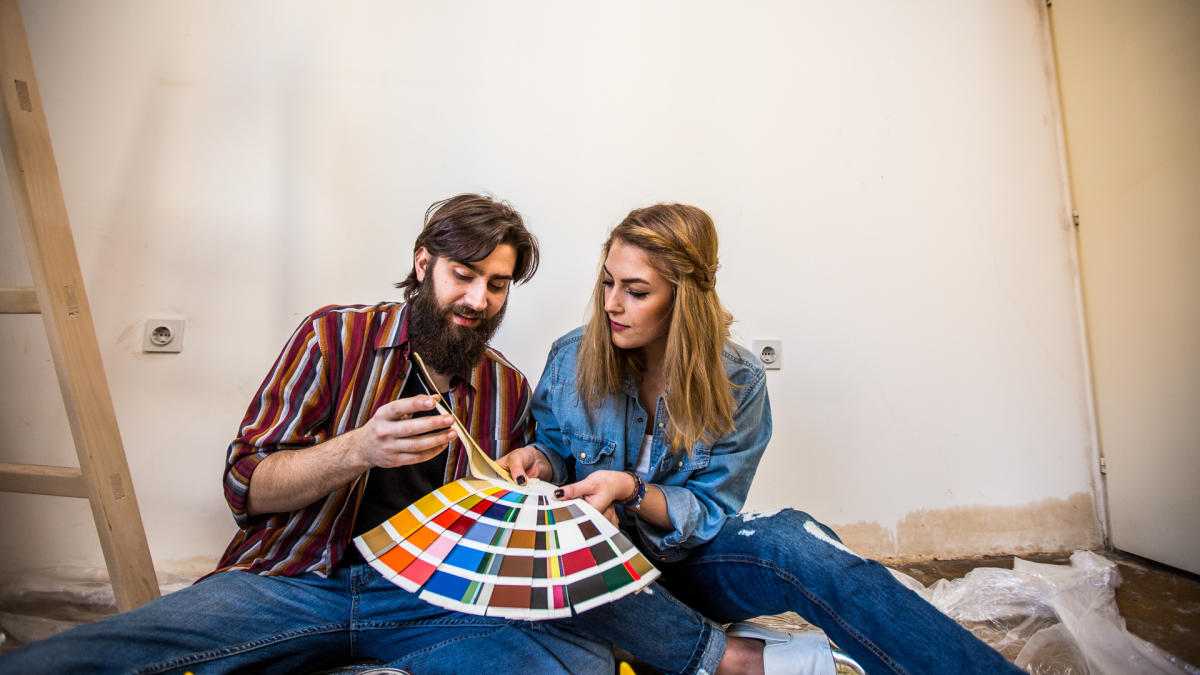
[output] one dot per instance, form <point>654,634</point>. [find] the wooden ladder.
<point>58,295</point>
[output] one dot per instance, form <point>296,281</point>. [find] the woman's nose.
<point>611,304</point>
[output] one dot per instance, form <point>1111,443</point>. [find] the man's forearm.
<point>287,480</point>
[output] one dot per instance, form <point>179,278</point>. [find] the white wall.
<point>885,176</point>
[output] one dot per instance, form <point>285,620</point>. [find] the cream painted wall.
<point>886,178</point>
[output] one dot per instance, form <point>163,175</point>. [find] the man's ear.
<point>421,261</point>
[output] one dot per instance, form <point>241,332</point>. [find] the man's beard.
<point>446,347</point>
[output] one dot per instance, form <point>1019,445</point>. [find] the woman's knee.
<point>787,534</point>
<point>783,520</point>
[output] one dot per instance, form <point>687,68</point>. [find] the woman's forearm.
<point>653,508</point>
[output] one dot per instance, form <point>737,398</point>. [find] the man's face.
<point>474,291</point>
<point>459,307</point>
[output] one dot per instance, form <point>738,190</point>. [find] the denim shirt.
<point>703,487</point>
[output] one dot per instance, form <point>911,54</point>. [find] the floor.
<point>1158,603</point>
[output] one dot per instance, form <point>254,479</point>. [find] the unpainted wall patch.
<point>965,531</point>
<point>873,539</point>
<point>816,531</point>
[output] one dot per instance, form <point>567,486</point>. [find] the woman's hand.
<point>600,489</point>
<point>527,462</point>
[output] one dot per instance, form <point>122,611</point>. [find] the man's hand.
<point>600,489</point>
<point>527,462</point>
<point>393,437</point>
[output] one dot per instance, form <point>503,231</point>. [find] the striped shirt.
<point>339,367</point>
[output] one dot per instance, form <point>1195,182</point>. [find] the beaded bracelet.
<point>638,495</point>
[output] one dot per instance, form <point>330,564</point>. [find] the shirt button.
<point>583,455</point>
<point>660,425</point>
<point>639,420</point>
<point>681,463</point>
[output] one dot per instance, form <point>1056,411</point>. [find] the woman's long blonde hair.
<point>681,244</point>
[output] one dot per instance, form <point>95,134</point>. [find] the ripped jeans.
<point>787,561</point>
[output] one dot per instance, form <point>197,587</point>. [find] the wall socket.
<point>770,352</point>
<point>163,335</point>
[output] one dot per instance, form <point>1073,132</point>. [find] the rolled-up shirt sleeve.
<point>290,410</point>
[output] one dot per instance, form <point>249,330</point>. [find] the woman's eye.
<point>639,294</point>
<point>607,282</point>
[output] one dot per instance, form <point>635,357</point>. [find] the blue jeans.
<point>237,621</point>
<point>761,565</point>
<point>755,566</point>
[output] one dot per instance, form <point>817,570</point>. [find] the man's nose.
<point>476,296</point>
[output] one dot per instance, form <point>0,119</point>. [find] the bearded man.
<point>341,435</point>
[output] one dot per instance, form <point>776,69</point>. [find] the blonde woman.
<point>661,421</point>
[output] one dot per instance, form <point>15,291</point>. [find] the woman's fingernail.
<point>520,480</point>
<point>559,493</point>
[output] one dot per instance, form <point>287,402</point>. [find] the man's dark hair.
<point>467,228</point>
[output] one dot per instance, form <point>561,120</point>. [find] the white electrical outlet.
<point>770,352</point>
<point>163,335</point>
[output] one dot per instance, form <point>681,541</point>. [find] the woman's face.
<point>637,299</point>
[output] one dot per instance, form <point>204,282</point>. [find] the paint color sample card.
<point>484,546</point>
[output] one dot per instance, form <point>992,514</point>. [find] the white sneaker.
<point>806,653</point>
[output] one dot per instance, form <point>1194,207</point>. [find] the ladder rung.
<point>19,301</point>
<point>36,479</point>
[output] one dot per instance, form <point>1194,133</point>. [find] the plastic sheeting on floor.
<point>1051,619</point>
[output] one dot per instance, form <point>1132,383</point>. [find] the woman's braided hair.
<point>680,242</point>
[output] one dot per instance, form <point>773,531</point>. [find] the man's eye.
<point>462,277</point>
<point>497,285</point>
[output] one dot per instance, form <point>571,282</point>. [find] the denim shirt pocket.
<point>589,450</point>
<point>696,460</point>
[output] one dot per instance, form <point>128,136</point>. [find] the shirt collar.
<point>394,331</point>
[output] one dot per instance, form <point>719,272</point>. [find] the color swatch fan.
<point>483,545</point>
